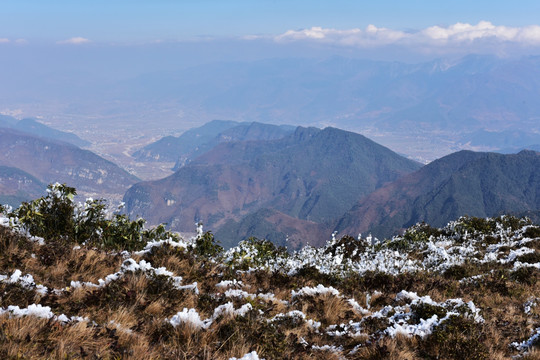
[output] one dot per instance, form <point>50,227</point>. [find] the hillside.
<point>197,141</point>
<point>88,285</point>
<point>171,148</point>
<point>55,161</point>
<point>33,127</point>
<point>310,175</point>
<point>463,183</point>
<point>17,186</point>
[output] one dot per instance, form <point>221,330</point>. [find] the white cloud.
<point>372,35</point>
<point>75,41</point>
<point>4,40</point>
<point>459,34</point>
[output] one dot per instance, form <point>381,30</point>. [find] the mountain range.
<point>450,99</point>
<point>311,175</point>
<point>463,183</point>
<point>197,141</point>
<point>39,160</point>
<point>36,128</point>
<point>289,185</point>
<point>304,186</point>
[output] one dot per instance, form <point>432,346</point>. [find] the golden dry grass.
<point>128,318</point>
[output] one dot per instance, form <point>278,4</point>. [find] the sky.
<point>135,21</point>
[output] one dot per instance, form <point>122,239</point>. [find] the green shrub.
<point>486,226</point>
<point>50,216</point>
<point>206,245</point>
<point>420,233</point>
<point>55,217</point>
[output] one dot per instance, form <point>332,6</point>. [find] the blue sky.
<point>135,20</point>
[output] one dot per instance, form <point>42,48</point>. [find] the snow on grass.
<point>356,307</point>
<point>530,305</point>
<point>158,243</point>
<point>400,318</point>
<point>241,294</point>
<point>317,290</point>
<point>229,283</point>
<point>39,311</point>
<point>249,356</point>
<point>454,246</point>
<point>410,314</point>
<point>192,317</point>
<point>132,266</point>
<point>519,264</point>
<point>26,281</point>
<point>527,344</point>
<point>514,254</point>
<point>453,307</point>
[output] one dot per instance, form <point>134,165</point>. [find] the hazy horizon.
<point>125,72</point>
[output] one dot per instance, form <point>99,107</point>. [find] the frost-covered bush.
<point>255,252</point>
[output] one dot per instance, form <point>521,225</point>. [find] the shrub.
<point>457,338</point>
<point>526,275</point>
<point>532,232</point>
<point>56,217</point>
<point>350,247</point>
<point>256,252</point>
<point>206,245</point>
<point>531,258</point>
<point>487,226</point>
<point>421,233</point>
<point>426,311</point>
<point>457,272</point>
<point>50,216</point>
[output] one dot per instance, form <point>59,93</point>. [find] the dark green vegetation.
<point>305,180</point>
<point>71,298</point>
<point>56,218</point>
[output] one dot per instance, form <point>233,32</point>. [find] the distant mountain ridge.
<point>197,141</point>
<point>310,175</point>
<point>463,183</point>
<point>426,109</point>
<point>56,161</point>
<point>171,148</point>
<point>34,127</point>
<point>458,97</point>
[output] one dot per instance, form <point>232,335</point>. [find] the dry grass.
<point>127,318</point>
